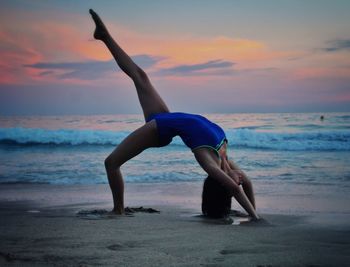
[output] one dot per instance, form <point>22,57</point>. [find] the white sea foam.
<point>60,137</point>
<point>315,140</point>
<point>244,138</point>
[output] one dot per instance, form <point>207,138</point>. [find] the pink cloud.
<point>321,72</point>
<point>68,38</point>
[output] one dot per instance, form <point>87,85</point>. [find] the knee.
<point>141,76</point>
<point>110,163</point>
<point>141,73</point>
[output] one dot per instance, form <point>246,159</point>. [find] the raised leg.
<point>139,140</point>
<point>150,100</point>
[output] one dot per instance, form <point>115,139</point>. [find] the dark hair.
<point>216,202</point>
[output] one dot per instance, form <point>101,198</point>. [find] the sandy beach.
<point>43,232</point>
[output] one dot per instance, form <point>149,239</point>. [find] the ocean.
<point>284,154</point>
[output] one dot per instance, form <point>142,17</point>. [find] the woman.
<point>206,139</point>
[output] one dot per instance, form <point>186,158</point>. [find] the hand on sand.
<point>101,31</point>
<point>258,222</point>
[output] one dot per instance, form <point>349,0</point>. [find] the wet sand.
<point>33,234</point>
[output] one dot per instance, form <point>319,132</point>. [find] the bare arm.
<point>246,183</point>
<point>207,161</point>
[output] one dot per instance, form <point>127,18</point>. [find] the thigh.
<point>139,140</point>
<point>151,102</point>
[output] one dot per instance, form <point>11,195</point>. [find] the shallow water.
<point>285,154</point>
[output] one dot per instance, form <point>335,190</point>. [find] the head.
<point>216,202</point>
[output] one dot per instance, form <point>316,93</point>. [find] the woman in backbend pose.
<point>206,139</point>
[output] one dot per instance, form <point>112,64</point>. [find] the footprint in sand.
<point>100,214</point>
<point>124,246</point>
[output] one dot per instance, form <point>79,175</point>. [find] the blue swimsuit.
<point>195,131</point>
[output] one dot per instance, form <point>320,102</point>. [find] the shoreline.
<point>183,195</point>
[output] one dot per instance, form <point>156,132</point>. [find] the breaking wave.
<point>244,138</point>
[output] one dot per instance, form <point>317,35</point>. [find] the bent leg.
<point>139,140</point>
<point>150,100</point>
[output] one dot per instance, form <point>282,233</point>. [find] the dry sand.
<point>57,236</point>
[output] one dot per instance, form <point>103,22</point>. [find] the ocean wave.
<point>343,117</point>
<point>244,138</point>
<point>30,136</point>
<point>311,140</point>
<point>305,126</point>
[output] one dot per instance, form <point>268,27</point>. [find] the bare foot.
<point>113,212</point>
<point>101,31</point>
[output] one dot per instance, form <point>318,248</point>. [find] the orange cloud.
<point>193,50</point>
<point>50,37</point>
<point>67,38</point>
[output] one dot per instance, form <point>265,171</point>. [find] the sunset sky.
<point>202,56</point>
